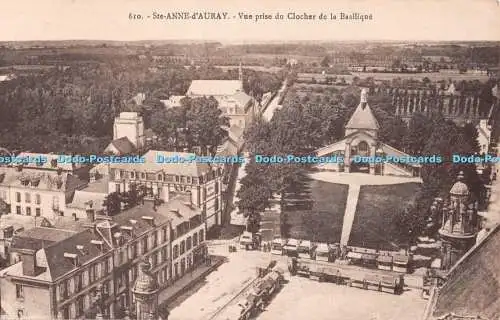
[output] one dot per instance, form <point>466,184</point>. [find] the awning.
<point>401,259</point>
<point>384,259</point>
<point>354,255</point>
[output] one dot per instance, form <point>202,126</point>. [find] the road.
<point>219,287</point>
<point>273,105</point>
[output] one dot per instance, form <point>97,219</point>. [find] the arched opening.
<point>361,149</point>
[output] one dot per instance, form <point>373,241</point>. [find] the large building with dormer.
<point>235,104</point>
<point>361,142</point>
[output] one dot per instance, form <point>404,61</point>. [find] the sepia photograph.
<point>250,160</point>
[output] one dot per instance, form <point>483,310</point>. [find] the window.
<point>154,260</point>
<point>188,243</point>
<point>28,211</point>
<point>38,199</point>
<point>195,239</point>
<point>18,209</point>
<point>165,237</point>
<point>143,175</point>
<point>164,254</point>
<point>189,180</point>
<point>133,249</point>
<point>19,291</point>
<point>20,313</point>
<point>92,275</point>
<point>155,239</point>
<point>145,245</point>
<point>18,196</point>
<point>183,246</point>
<point>63,290</point>
<point>38,212</point>
<point>27,197</point>
<point>78,282</point>
<point>160,177</point>
<point>202,236</point>
<point>117,187</point>
<point>79,305</point>
<point>132,174</point>
<point>55,202</point>
<point>176,251</point>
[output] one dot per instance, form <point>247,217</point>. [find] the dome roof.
<point>145,281</point>
<point>460,188</point>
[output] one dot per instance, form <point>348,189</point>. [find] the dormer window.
<point>160,177</point>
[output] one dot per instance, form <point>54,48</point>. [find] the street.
<point>297,298</point>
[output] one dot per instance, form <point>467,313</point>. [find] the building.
<point>233,101</point>
<point>38,192</point>
<point>361,144</point>
<point>120,146</point>
<point>166,172</point>
<point>470,290</point>
<point>173,102</point>
<point>61,274</point>
<point>130,125</point>
<point>459,224</point>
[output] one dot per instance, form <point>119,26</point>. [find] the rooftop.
<point>41,180</point>
<point>190,168</point>
<point>82,197</point>
<point>363,118</point>
<point>123,145</point>
<point>473,285</point>
<point>214,87</point>
<point>39,237</point>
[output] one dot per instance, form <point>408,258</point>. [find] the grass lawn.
<point>315,211</point>
<point>373,225</point>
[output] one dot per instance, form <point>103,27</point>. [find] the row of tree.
<point>308,122</point>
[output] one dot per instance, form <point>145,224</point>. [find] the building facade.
<point>61,279</point>
<point>37,192</point>
<point>360,146</point>
<point>163,173</point>
<point>130,125</point>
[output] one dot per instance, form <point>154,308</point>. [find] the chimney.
<point>133,222</point>
<point>149,220</point>
<point>99,244</point>
<point>28,258</point>
<point>73,257</point>
<point>127,229</point>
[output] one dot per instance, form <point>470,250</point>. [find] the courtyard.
<point>303,298</point>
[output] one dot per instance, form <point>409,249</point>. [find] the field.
<point>317,211</point>
<point>373,225</point>
<point>256,68</point>
<point>433,76</point>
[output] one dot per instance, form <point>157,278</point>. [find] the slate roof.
<point>214,87</point>
<point>473,285</point>
<point>363,118</point>
<point>67,166</point>
<point>242,98</point>
<point>81,197</point>
<point>191,168</point>
<point>39,237</point>
<point>46,180</point>
<point>123,145</point>
<point>57,265</point>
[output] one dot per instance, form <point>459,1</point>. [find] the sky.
<point>405,20</point>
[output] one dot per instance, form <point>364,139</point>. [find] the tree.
<point>204,121</point>
<point>471,134</point>
<point>325,62</point>
<point>418,134</point>
<point>254,196</point>
<point>112,203</point>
